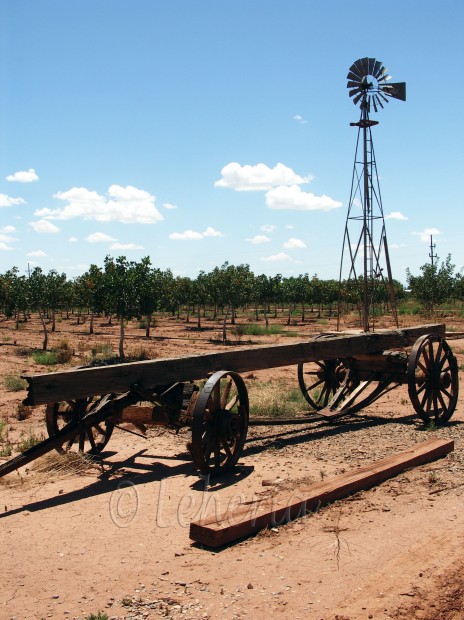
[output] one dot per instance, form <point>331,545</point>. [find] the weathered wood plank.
<point>253,517</point>
<point>103,380</point>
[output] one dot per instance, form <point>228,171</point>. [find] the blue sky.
<point>198,132</point>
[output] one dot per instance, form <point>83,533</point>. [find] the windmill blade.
<point>353,84</point>
<point>377,69</point>
<point>396,90</point>
<point>380,94</point>
<point>378,101</point>
<point>357,98</point>
<point>357,70</point>
<point>353,76</point>
<point>371,63</point>
<point>355,91</point>
<point>383,75</point>
<point>358,65</point>
<point>373,101</point>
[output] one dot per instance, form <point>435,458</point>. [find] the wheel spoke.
<point>91,438</point>
<point>226,447</point>
<point>225,393</point>
<point>233,401</point>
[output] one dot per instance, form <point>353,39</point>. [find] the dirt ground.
<point>114,537</point>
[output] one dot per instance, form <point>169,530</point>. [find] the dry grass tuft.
<point>60,466</point>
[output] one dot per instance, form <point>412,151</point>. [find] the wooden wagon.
<point>338,373</point>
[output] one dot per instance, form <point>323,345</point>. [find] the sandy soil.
<point>114,537</point>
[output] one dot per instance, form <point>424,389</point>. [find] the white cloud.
<point>6,238</point>
<point>187,235</point>
<point>211,232</point>
<point>8,201</point>
<point>193,235</point>
<point>268,228</point>
<point>293,198</point>
<point>258,177</point>
<point>257,239</point>
<point>99,237</point>
<point>125,246</point>
<point>72,239</point>
<point>281,257</point>
<point>127,205</point>
<point>42,226</point>
<point>168,205</point>
<point>396,215</point>
<point>36,253</point>
<point>4,246</point>
<point>397,246</point>
<point>294,243</point>
<point>299,119</point>
<point>289,226</point>
<point>23,176</point>
<point>425,234</point>
<point>7,229</point>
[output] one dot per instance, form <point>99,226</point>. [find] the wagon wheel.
<point>93,439</point>
<point>320,380</point>
<point>220,423</point>
<point>433,380</point>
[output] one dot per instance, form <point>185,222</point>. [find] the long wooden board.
<point>249,519</point>
<point>81,383</point>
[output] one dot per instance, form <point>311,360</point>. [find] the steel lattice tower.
<point>369,275</point>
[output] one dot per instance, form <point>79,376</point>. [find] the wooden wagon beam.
<point>217,531</point>
<point>81,383</point>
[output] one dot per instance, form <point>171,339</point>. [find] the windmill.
<point>365,239</point>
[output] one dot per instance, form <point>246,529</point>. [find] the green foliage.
<point>434,286</point>
<point>14,383</point>
<point>275,399</point>
<point>6,449</point>
<point>29,440</point>
<point>45,358</point>
<point>257,330</point>
<point>3,429</point>
<point>100,615</point>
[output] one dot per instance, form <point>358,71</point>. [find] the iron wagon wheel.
<point>319,381</point>
<point>93,439</point>
<point>220,423</point>
<point>433,381</point>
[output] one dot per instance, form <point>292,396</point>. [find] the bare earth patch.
<point>78,537</point>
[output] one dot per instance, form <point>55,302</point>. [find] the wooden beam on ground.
<point>254,516</point>
<point>80,383</point>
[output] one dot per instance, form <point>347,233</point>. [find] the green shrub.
<point>63,352</point>
<point>3,429</point>
<point>45,358</point>
<point>275,399</point>
<point>6,449</point>
<point>100,615</point>
<point>29,440</point>
<point>14,383</point>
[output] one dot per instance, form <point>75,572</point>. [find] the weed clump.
<point>14,383</point>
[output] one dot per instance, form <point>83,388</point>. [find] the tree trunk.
<point>265,317</point>
<point>147,329</point>
<point>53,321</point>
<point>121,339</point>
<point>91,323</point>
<point>224,326</point>
<point>289,314</point>
<point>232,318</point>
<point>302,312</point>
<point>44,327</point>
<point>199,316</point>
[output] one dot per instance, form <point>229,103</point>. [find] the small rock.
<point>250,586</point>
